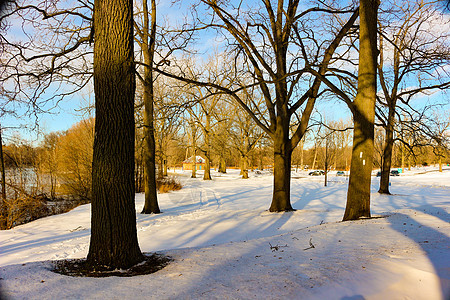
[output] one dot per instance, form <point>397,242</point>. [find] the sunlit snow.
<point>226,245</point>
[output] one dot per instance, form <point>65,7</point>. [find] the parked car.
<point>316,173</point>
<point>340,173</point>
<point>379,174</point>
<point>395,173</point>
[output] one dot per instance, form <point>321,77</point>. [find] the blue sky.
<point>65,114</point>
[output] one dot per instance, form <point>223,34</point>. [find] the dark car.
<point>340,173</point>
<point>395,173</point>
<point>315,173</point>
<point>378,174</point>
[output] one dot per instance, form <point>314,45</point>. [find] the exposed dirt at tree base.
<point>80,268</point>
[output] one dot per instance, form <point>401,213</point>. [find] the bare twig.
<point>310,245</point>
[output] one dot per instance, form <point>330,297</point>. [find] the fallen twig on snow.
<point>310,245</point>
<point>276,247</point>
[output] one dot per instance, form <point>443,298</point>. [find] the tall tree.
<point>417,66</point>
<point>358,195</point>
<point>3,174</point>
<point>113,222</point>
<point>268,44</point>
<point>147,44</point>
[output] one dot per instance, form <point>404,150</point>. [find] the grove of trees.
<point>238,83</point>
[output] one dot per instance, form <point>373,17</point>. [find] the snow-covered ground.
<point>226,245</point>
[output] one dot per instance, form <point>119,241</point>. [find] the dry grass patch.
<point>167,184</point>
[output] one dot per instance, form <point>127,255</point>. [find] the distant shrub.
<point>24,208</point>
<point>167,184</point>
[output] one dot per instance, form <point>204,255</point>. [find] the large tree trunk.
<point>358,196</point>
<point>113,221</point>
<point>244,166</point>
<point>281,172</point>
<point>387,155</point>
<point>222,165</point>
<point>207,174</point>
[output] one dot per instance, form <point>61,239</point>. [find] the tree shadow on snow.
<point>302,195</point>
<point>433,242</point>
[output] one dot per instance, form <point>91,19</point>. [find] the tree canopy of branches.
<point>46,54</point>
<point>274,48</point>
<point>413,57</point>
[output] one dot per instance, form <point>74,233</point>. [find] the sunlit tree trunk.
<point>207,133</point>
<point>301,154</point>
<point>281,168</point>
<point>222,165</point>
<point>148,45</point>
<point>358,196</point>
<point>387,155</point>
<point>3,209</point>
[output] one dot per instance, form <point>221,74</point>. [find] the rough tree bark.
<point>282,167</point>
<point>358,196</point>
<point>222,164</point>
<point>387,155</point>
<point>3,210</point>
<point>113,222</point>
<point>207,152</point>
<point>151,199</point>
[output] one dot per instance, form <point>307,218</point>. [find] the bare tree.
<point>244,133</point>
<point>271,44</point>
<point>147,42</point>
<point>408,50</point>
<point>327,139</point>
<point>3,209</point>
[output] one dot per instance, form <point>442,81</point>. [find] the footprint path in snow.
<point>193,195</point>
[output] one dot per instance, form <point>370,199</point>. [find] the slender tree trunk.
<point>207,174</point>
<point>358,196</point>
<point>244,166</point>
<point>387,154</point>
<point>402,156</point>
<point>114,240</point>
<point>315,157</point>
<point>165,166</point>
<point>3,209</point>
<point>301,154</point>
<point>326,162</point>
<point>282,171</point>
<point>194,163</point>
<point>151,199</point>
<point>160,167</point>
